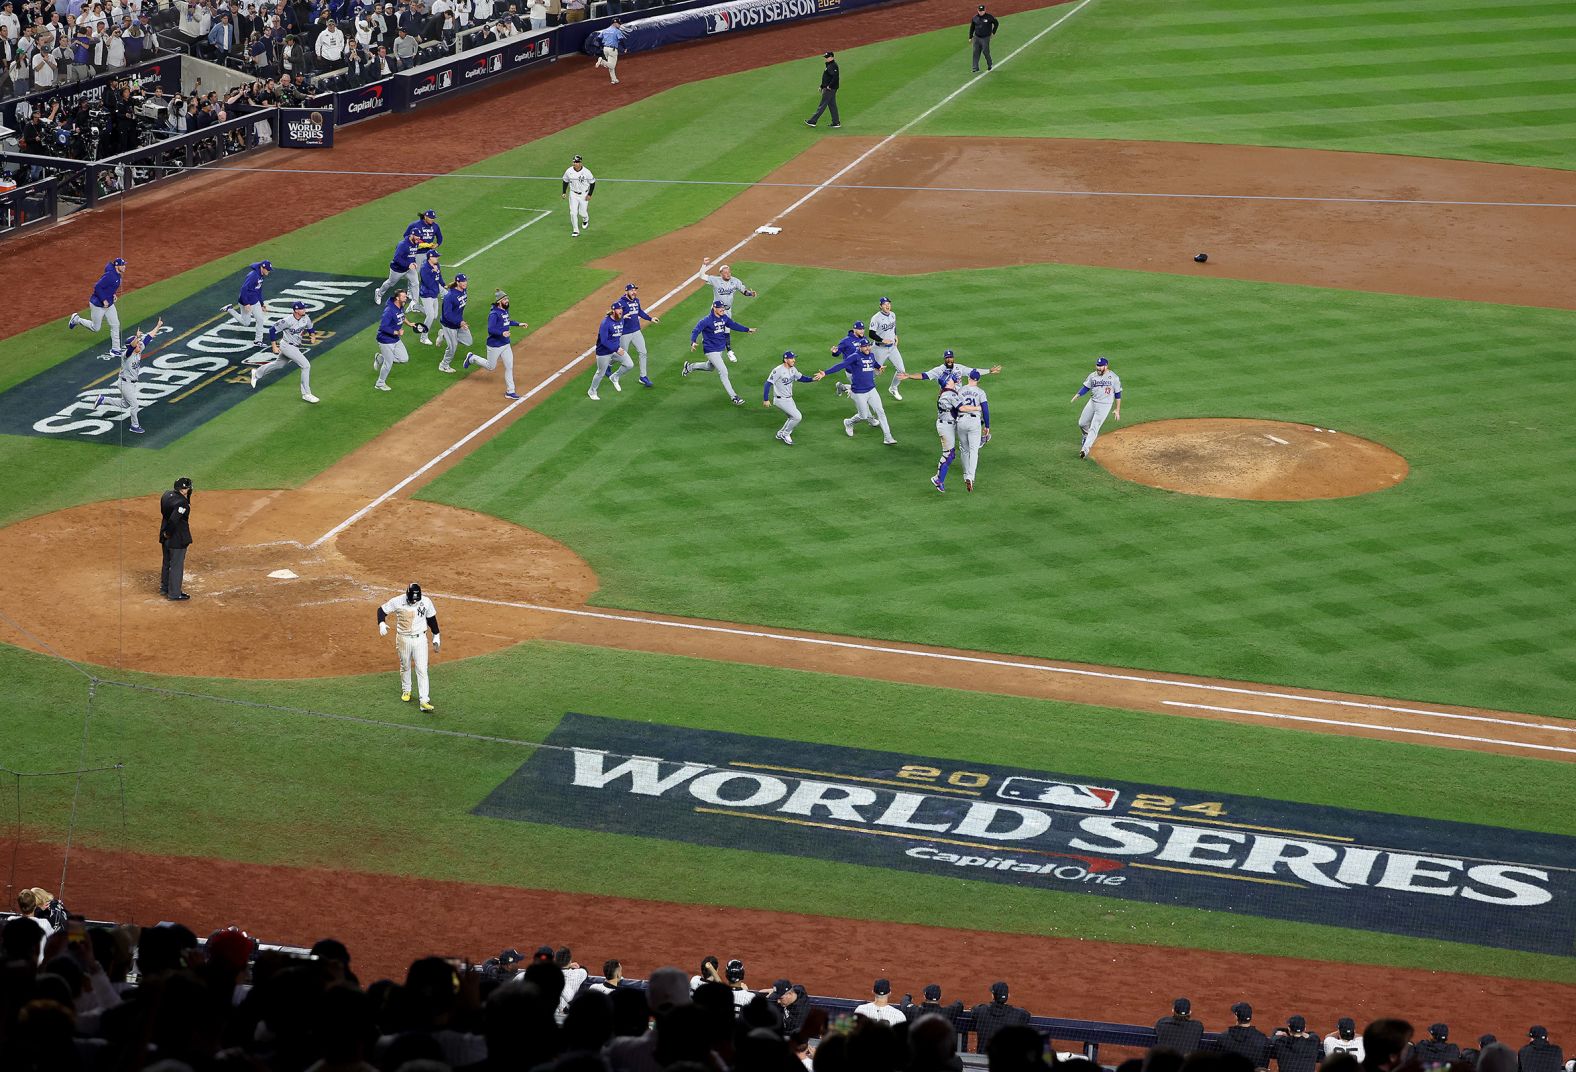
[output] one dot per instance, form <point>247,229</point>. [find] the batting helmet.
<point>413,594</point>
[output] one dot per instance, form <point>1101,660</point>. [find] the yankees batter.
<point>498,346</point>
<point>883,329</point>
<point>288,333</point>
<point>946,429</point>
<point>723,287</point>
<point>973,424</point>
<point>862,368</point>
<point>391,351</point>
<point>610,350</point>
<point>429,289</point>
<point>579,185</point>
<point>413,615</point>
<point>101,306</point>
<point>454,331</point>
<point>402,271</point>
<point>252,314</point>
<point>130,371</point>
<point>949,369</point>
<point>1104,389</point>
<point>634,338</point>
<point>779,393</point>
<point>716,327</point>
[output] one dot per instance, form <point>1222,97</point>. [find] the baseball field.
<point>1269,698</point>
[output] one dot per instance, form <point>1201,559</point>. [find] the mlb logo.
<point>495,63</point>
<point>446,79</point>
<point>720,22</point>
<point>1061,794</point>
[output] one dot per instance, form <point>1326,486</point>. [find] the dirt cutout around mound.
<point>1231,458</point>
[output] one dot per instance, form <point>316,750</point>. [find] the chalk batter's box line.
<point>996,850</point>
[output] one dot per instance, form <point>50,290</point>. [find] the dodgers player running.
<point>1104,389</point>
<point>499,348</point>
<point>579,185</point>
<point>402,272</point>
<point>862,368</point>
<point>949,369</point>
<point>946,430</point>
<point>101,305</point>
<point>973,425</point>
<point>723,288</point>
<point>288,333</point>
<point>454,331</point>
<point>130,371</point>
<point>429,289</point>
<point>391,351</point>
<point>779,393</point>
<point>716,327</point>
<point>883,329</point>
<point>252,313</point>
<point>634,338</point>
<point>847,347</point>
<point>424,233</point>
<point>413,615</point>
<point>609,350</point>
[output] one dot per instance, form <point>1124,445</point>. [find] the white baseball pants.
<point>868,408</point>
<point>431,308</point>
<point>791,408</point>
<point>290,355</point>
<point>610,61</point>
<point>889,356</point>
<point>252,316</point>
<point>99,315</point>
<point>128,396</point>
<point>1089,422</point>
<point>969,447</point>
<point>453,339</point>
<point>717,363</point>
<point>389,355</point>
<point>496,354</point>
<point>604,362</point>
<point>413,651</point>
<point>948,433</point>
<point>579,211</point>
<point>635,343</point>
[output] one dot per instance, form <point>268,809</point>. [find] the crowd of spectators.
<point>49,43</point>
<point>79,998</point>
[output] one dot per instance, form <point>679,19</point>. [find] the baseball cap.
<point>948,353</point>
<point>298,306</point>
<point>883,986</point>
<point>266,264</point>
<point>1297,1023</point>
<point>884,300</point>
<point>1487,1040</point>
<point>998,990</point>
<point>788,354</point>
<point>510,956</point>
<point>1181,1006</point>
<point>432,253</point>
<point>429,214</point>
<point>859,323</point>
<point>462,278</point>
<point>544,953</point>
<point>827,55</point>
<point>781,987</point>
<point>982,7</point>
<point>974,374</point>
<point>1537,1031</point>
<point>1439,1031</point>
<point>1102,362</point>
<point>1346,1023</point>
<point>932,992</point>
<point>119,262</point>
<point>631,286</point>
<point>718,305</point>
<point>1242,1011</point>
<point>865,344</point>
<point>576,160</point>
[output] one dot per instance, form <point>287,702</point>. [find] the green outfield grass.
<point>1450,587</point>
<point>274,785</point>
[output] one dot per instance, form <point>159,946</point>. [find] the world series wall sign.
<point>1162,844</point>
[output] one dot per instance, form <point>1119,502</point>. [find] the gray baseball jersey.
<point>970,395</point>
<point>1103,387</point>
<point>956,372</point>
<point>722,289</point>
<point>290,329</point>
<point>883,328</point>
<point>782,378</point>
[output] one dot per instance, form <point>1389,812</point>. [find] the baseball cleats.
<point>890,442</point>
<point>686,371</point>
<point>574,234</point>
<point>937,485</point>
<point>645,381</point>
<point>968,485</point>
<point>73,322</point>
<point>183,597</point>
<point>601,63</point>
<point>737,401</point>
<point>377,297</point>
<point>137,428</point>
<point>784,437</point>
<point>381,387</point>
<point>842,390</point>
<point>426,338</point>
<point>426,706</point>
<point>616,386</point>
<point>733,357</point>
<point>511,396</point>
<point>593,396</point>
<point>404,697</point>
<point>893,392</point>
<point>227,309</point>
<point>837,126</point>
<point>1083,454</point>
<point>254,378</point>
<point>444,366</point>
<point>810,123</point>
<point>311,398</point>
<point>470,358</point>
<point>848,427</point>
<point>98,400</point>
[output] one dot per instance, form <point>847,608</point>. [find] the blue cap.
<point>299,306</point>
<point>719,305</point>
<point>949,353</point>
<point>119,262</point>
<point>432,253</point>
<point>266,264</point>
<point>462,278</point>
<point>974,374</point>
<point>884,300</point>
<point>859,323</point>
<point>631,286</point>
<point>1102,362</point>
<point>430,214</point>
<point>789,354</point>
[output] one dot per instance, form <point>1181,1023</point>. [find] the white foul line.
<point>1016,664</point>
<point>541,214</point>
<point>1377,729</point>
<point>489,422</point>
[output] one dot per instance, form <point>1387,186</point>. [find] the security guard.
<point>175,534</point>
<point>1179,1031</point>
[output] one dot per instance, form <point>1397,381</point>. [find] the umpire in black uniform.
<point>175,534</point>
<point>830,80</point>
<point>982,27</point>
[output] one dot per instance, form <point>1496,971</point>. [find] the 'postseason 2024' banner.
<point>730,17</point>
<point>1513,889</point>
<point>306,128</point>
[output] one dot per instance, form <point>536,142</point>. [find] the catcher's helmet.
<point>413,594</point>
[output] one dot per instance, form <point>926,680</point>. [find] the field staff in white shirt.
<point>413,615</point>
<point>288,333</point>
<point>881,1010</point>
<point>579,185</point>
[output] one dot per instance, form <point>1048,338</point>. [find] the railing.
<point>28,206</point>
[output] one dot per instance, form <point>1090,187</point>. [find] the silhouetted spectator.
<point>1179,1031</point>
<point>881,1008</point>
<point>1344,1039</point>
<point>991,1018</point>
<point>1539,1054</point>
<point>933,1044</point>
<point>932,1005</point>
<point>1384,1044</point>
<point>1014,1048</point>
<point>1293,1049</point>
<point>1244,1039</point>
<point>1437,1049</point>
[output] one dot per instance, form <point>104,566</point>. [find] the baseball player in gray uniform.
<point>391,347</point>
<point>972,409</point>
<point>723,287</point>
<point>130,372</point>
<point>779,393</point>
<point>949,369</point>
<point>1104,389</point>
<point>883,329</point>
<point>288,333</point>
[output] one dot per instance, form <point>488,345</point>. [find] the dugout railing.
<point>26,207</point>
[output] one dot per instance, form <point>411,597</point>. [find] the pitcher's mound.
<point>1229,458</point>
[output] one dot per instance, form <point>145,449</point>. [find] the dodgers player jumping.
<point>1104,389</point>
<point>252,313</point>
<point>883,329</point>
<point>499,348</point>
<point>579,185</point>
<point>634,338</point>
<point>402,272</point>
<point>716,327</point>
<point>453,330</point>
<point>862,368</point>
<point>391,350</point>
<point>288,333</point>
<point>610,346</point>
<point>973,425</point>
<point>130,371</point>
<point>101,306</point>
<point>413,615</point>
<point>779,393</point>
<point>723,288</point>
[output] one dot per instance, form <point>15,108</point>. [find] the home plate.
<point>283,575</point>
<point>1277,439</point>
<point>768,230</point>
